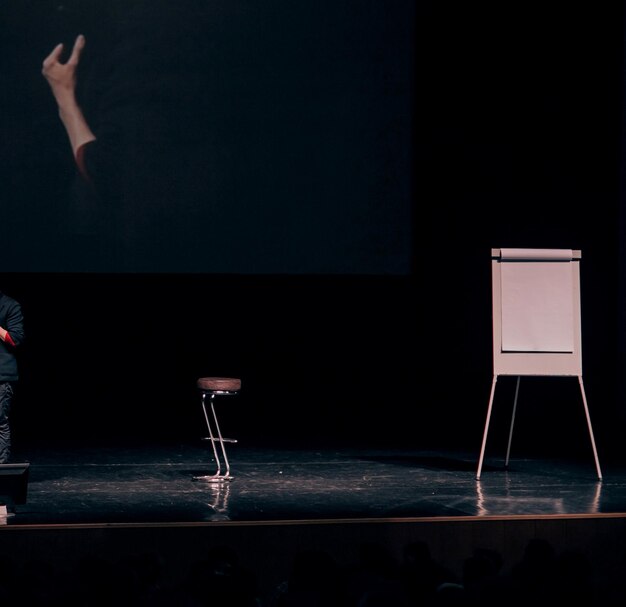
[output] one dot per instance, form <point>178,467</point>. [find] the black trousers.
<point>6,400</point>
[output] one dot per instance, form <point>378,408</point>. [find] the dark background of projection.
<point>517,120</point>
<point>238,137</point>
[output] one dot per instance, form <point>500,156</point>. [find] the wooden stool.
<point>212,387</point>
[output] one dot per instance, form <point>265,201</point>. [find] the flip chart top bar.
<point>536,254</point>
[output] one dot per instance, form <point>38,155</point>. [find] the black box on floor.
<point>14,483</point>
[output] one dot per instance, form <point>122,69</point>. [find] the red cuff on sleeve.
<point>8,339</point>
<point>80,162</point>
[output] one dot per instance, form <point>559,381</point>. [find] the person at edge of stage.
<point>11,337</point>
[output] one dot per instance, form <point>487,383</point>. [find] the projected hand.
<point>62,80</point>
<point>62,76</point>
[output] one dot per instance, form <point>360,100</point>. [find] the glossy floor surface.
<point>155,484</point>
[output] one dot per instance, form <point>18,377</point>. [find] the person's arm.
<point>62,80</point>
<point>12,332</point>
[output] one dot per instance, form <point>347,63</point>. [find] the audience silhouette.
<point>543,575</point>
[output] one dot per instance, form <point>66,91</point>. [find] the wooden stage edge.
<point>301,522</point>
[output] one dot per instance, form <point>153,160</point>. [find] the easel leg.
<point>593,442</point>
<point>508,448</point>
<point>482,449</point>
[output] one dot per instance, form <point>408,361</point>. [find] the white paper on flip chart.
<point>537,301</point>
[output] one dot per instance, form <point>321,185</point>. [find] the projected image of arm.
<point>62,80</point>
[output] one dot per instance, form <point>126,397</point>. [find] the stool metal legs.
<point>215,436</point>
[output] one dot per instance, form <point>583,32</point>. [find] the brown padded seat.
<point>219,384</point>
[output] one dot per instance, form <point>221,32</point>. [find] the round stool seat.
<point>219,384</point>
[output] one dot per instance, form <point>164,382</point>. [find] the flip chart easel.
<point>536,323</point>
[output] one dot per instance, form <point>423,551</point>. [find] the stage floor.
<point>154,484</point>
